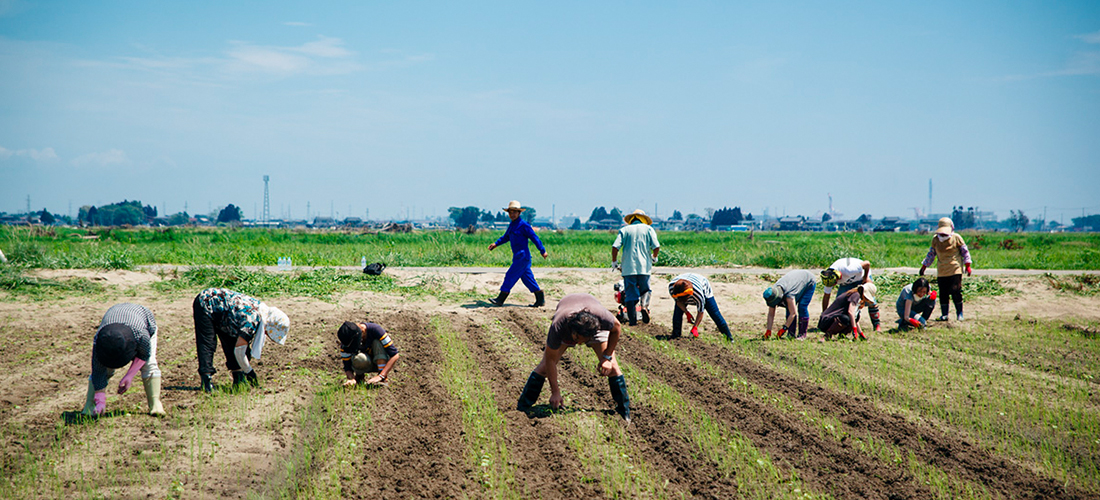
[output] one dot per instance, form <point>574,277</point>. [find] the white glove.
<point>615,266</point>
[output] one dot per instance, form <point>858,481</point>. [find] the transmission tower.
<point>267,202</point>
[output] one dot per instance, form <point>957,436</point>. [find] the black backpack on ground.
<point>374,269</point>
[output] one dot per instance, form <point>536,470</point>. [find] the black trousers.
<point>950,289</point>
<point>208,333</point>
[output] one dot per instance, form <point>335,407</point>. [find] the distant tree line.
<point>117,214</point>
<point>471,216</point>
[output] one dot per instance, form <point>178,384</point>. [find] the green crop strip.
<point>1024,389</point>
<point>116,248</point>
<point>482,423</point>
<point>943,485</point>
<point>600,443</point>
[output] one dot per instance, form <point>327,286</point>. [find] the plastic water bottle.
<point>282,263</point>
<point>363,261</point>
<point>289,264</point>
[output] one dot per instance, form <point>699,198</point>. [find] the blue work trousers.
<point>636,286</point>
<point>712,309</point>
<point>520,270</point>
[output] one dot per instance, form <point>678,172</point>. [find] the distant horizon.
<point>399,109</point>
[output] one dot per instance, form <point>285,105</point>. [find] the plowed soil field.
<point>1003,405</point>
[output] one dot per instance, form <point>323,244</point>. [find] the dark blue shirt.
<point>519,231</point>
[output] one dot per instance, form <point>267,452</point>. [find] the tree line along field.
<point>114,248</point>
<point>1005,405</point>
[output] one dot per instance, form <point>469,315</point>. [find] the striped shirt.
<point>140,319</point>
<point>374,332</point>
<point>700,287</point>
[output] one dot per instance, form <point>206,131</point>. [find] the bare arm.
<point>908,308</point>
<point>792,313</point>
<point>866,271</point>
<point>385,372</point>
<point>614,255</point>
<point>549,369</point>
<point>771,317</point>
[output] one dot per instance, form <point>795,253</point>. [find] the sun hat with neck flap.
<point>945,226</point>
<point>638,215</point>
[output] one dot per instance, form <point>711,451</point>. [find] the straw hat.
<point>639,214</point>
<point>514,205</point>
<point>945,226</point>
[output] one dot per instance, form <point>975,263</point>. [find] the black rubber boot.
<point>531,392</point>
<point>631,312</point>
<point>540,299</point>
<point>207,384</point>
<point>622,398</point>
<point>499,299</point>
<point>252,379</point>
<point>238,378</point>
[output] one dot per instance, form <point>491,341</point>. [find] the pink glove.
<point>932,295</point>
<point>695,331</point>
<point>968,269</point>
<point>913,322</point>
<point>128,379</point>
<point>100,403</point>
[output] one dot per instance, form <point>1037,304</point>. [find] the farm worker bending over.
<point>950,249</point>
<point>692,289</point>
<point>794,289</point>
<point>239,322</point>
<point>579,319</point>
<point>915,304</point>
<point>640,248</point>
<point>841,316</point>
<point>519,231</point>
<point>366,347</point>
<point>848,273</point>
<point>127,334</point>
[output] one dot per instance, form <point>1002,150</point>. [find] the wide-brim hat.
<point>869,292</point>
<point>773,295</point>
<point>638,214</point>
<point>514,205</point>
<point>276,323</point>
<point>946,226</point>
<point>115,345</point>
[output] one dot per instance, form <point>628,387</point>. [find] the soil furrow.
<point>953,456</point>
<point>415,449</point>
<point>665,451</point>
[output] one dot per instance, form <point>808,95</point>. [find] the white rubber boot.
<point>89,404</point>
<point>152,395</point>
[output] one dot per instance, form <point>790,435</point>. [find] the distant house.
<point>324,222</point>
<point>888,224</point>
<point>604,224</point>
<point>791,223</point>
<point>353,222</point>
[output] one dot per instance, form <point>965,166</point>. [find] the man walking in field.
<point>846,274</point>
<point>518,232</point>
<point>640,247</point>
<point>579,319</point>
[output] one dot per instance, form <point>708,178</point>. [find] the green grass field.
<point>125,248</point>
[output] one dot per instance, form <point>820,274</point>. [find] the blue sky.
<point>412,107</point>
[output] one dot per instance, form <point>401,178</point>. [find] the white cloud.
<point>324,47</point>
<point>39,155</point>
<point>1089,38</point>
<point>109,157</point>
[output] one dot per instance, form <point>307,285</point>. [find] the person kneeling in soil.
<point>842,315</point>
<point>793,291</point>
<point>915,304</point>
<point>240,322</point>
<point>578,319</point>
<point>366,348</point>
<point>127,334</point>
<point>846,274</point>
<point>693,289</point>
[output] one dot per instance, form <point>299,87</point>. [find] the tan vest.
<point>949,260</point>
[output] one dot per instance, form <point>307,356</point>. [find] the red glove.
<point>855,331</point>
<point>691,319</point>
<point>968,269</point>
<point>695,331</point>
<point>914,322</point>
<point>932,295</point>
<point>767,333</point>
<point>782,330</point>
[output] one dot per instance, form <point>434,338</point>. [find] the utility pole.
<point>267,201</point>
<point>929,197</point>
<point>29,205</point>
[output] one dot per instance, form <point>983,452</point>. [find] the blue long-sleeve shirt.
<point>518,232</point>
